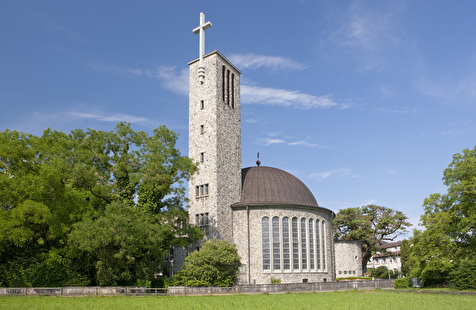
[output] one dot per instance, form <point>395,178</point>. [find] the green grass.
<point>335,300</point>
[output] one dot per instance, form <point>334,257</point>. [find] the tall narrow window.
<point>232,90</point>
<point>311,244</point>
<point>202,129</point>
<point>303,244</point>
<point>318,245</point>
<point>197,191</point>
<point>276,245</point>
<point>223,82</point>
<point>202,104</point>
<point>228,87</point>
<point>202,157</point>
<point>265,240</point>
<point>295,243</point>
<point>324,250</point>
<point>286,253</point>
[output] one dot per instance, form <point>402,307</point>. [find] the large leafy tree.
<point>449,221</point>
<point>371,225</point>
<point>73,207</point>
<point>215,264</point>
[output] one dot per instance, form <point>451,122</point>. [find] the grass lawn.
<point>334,300</point>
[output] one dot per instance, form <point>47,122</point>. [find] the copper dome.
<point>271,186</point>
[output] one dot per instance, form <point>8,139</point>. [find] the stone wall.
<point>185,290</point>
<point>280,288</point>
<point>348,255</point>
<point>215,132</point>
<point>80,291</point>
<point>248,238</point>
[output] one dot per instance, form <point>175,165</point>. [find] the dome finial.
<point>258,162</point>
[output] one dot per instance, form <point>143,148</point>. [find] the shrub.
<point>275,281</point>
<point>402,283</point>
<point>463,277</point>
<point>215,264</point>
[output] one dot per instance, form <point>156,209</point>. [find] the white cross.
<point>201,30</point>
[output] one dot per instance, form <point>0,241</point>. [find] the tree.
<point>449,238</point>
<point>430,254</point>
<point>90,207</point>
<point>215,264</point>
<point>370,224</point>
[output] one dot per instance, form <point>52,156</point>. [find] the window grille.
<point>265,246</point>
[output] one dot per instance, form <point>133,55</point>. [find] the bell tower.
<point>214,140</point>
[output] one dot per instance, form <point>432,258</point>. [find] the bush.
<point>402,283</point>
<point>382,273</point>
<point>463,277</point>
<point>215,264</point>
<point>275,281</point>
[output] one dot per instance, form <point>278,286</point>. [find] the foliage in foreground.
<point>90,207</point>
<point>371,225</point>
<point>463,277</point>
<point>381,272</point>
<point>215,264</point>
<point>402,283</point>
<point>447,245</point>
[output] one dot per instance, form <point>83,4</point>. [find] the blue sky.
<point>364,101</point>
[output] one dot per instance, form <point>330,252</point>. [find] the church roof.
<point>272,186</point>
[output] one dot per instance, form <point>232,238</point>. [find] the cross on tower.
<point>201,30</point>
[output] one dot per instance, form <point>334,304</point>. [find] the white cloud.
<point>270,141</point>
<point>110,118</point>
<point>368,33</point>
<point>449,89</point>
<point>304,143</point>
<point>172,78</point>
<point>274,63</point>
<point>285,98</point>
<point>342,172</point>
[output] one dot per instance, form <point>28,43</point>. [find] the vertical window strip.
<point>276,245</point>
<point>286,253</point>
<point>295,243</point>
<point>318,245</point>
<point>228,87</point>
<point>311,244</point>
<point>233,90</point>
<point>324,251</point>
<point>223,82</point>
<point>265,240</point>
<point>303,244</point>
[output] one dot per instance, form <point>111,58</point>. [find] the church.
<point>279,229</point>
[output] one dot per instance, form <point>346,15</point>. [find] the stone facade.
<point>215,144</point>
<point>348,255</point>
<point>217,200</point>
<point>247,233</point>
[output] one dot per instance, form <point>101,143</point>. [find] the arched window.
<point>286,253</point>
<point>311,244</point>
<point>276,244</point>
<point>265,240</point>
<point>303,244</point>
<point>295,243</point>
<point>318,245</point>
